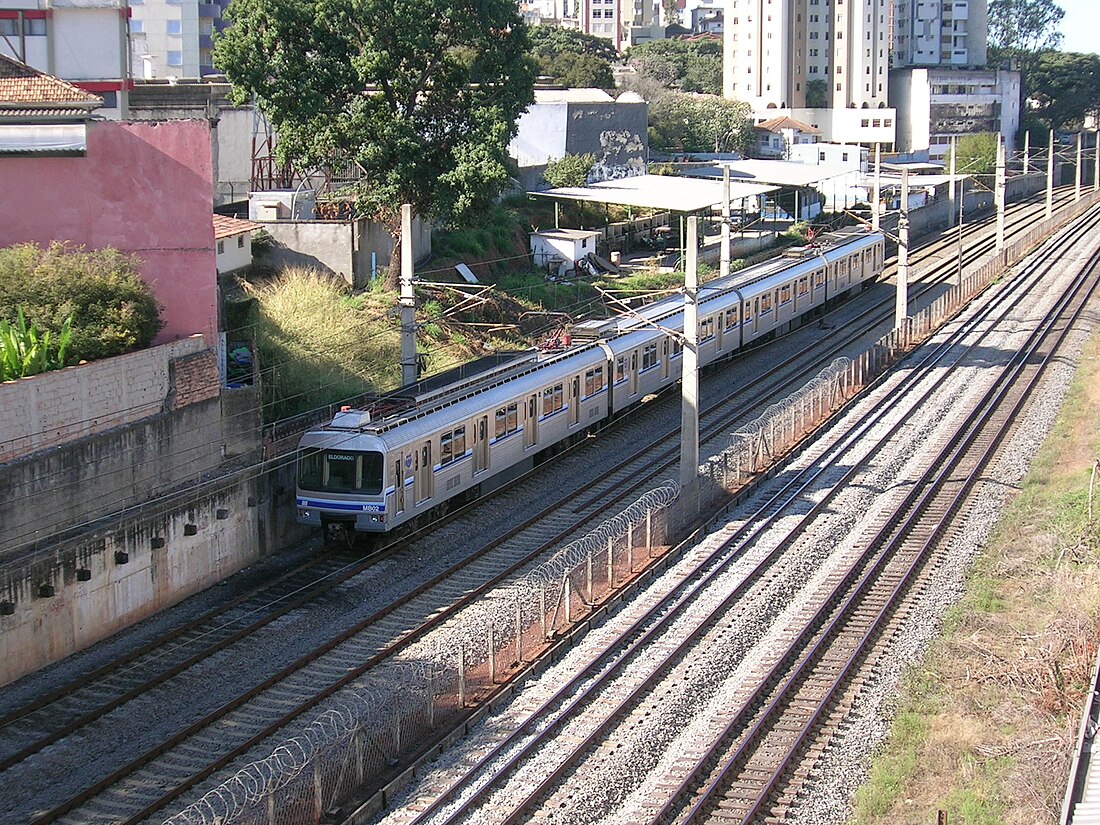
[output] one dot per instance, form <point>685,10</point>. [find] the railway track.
<point>530,770</point>
<point>27,730</point>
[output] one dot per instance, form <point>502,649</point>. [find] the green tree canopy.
<point>683,65</point>
<point>422,95</point>
<point>976,154</point>
<point>699,123</point>
<point>571,170</point>
<point>1021,27</point>
<point>1066,87</point>
<point>573,59</point>
<point>817,94</point>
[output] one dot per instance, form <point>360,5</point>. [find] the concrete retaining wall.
<point>49,409</point>
<point>79,592</point>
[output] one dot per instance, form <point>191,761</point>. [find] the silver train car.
<point>359,475</point>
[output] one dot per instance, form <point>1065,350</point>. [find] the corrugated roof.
<point>226,227</point>
<point>19,83</point>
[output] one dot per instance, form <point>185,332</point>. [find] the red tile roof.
<point>225,227</point>
<point>21,84</point>
<point>777,124</point>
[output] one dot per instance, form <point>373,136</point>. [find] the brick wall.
<point>57,407</point>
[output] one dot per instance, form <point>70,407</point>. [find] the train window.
<point>821,278</point>
<point>452,446</point>
<point>649,356</point>
<point>552,399</point>
<point>677,347</point>
<point>507,421</point>
<point>748,312</point>
<point>731,318</point>
<point>803,286</point>
<point>620,368</point>
<point>706,329</point>
<point>593,381</point>
<point>765,303</point>
<point>340,471</point>
<point>785,294</point>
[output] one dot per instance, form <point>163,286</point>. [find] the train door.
<point>665,359</point>
<point>423,479</point>
<point>719,330</point>
<point>481,445</point>
<point>399,485</point>
<point>575,401</point>
<point>531,429</point>
<point>634,373</point>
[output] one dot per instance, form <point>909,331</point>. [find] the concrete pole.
<point>1077,185</point>
<point>902,304</point>
<point>1027,151</point>
<point>876,198</point>
<point>951,172</point>
<point>959,265</point>
<point>407,301</point>
<point>724,269</point>
<point>999,195</point>
<point>689,427</point>
<point>1050,178</point>
<point>1096,170</point>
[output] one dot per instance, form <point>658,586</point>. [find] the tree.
<point>573,59</point>
<point>672,12</point>
<point>1023,27</point>
<point>689,66</point>
<point>1066,87</point>
<point>421,95</point>
<point>817,94</point>
<point>699,123</point>
<point>976,154</point>
<point>570,170</point>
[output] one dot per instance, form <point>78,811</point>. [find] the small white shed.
<point>555,246</point>
<point>233,238</point>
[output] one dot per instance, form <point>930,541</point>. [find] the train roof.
<point>831,246</point>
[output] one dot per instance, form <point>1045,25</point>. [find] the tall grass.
<point>317,344</point>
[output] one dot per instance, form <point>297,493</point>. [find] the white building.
<point>174,38</point>
<point>560,249</point>
<point>611,19</point>
<point>81,41</point>
<point>935,104</point>
<point>234,243</point>
<point>781,56</point>
<point>932,33</point>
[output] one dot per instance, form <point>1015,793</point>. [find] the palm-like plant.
<point>26,351</point>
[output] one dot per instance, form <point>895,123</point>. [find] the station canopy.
<point>915,181</point>
<point>778,172</point>
<point>666,192</point>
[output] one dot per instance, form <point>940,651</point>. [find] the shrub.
<point>570,170</point>
<point>24,350</point>
<point>112,310</point>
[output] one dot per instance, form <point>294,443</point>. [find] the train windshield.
<point>340,471</point>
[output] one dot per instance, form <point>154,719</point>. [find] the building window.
<point>173,26</point>
<point>175,58</point>
<point>34,26</point>
<point>136,26</point>
<point>110,99</point>
<point>9,25</point>
<point>221,247</point>
<point>240,242</point>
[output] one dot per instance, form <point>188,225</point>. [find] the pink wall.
<point>144,188</point>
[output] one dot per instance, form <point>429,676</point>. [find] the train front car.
<point>341,480</point>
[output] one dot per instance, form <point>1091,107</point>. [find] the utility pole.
<point>902,304</point>
<point>1050,178</point>
<point>407,301</point>
<point>999,195</point>
<point>724,267</point>
<point>689,379</point>
<point>1077,186</point>
<point>951,172</point>
<point>1027,151</point>
<point>877,198</point>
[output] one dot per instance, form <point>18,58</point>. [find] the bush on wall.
<point>112,309</point>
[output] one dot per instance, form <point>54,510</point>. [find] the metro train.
<point>364,474</point>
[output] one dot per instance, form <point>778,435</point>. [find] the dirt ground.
<point>987,722</point>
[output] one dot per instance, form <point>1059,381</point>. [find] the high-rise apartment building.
<point>174,37</point>
<point>949,33</point>
<point>821,61</point>
<point>610,19</point>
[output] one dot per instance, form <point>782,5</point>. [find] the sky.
<point>1081,25</point>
